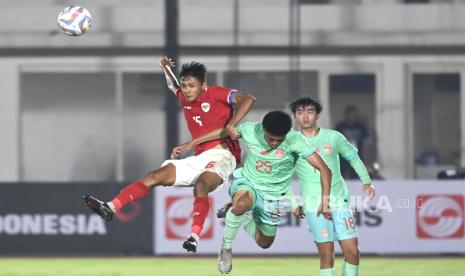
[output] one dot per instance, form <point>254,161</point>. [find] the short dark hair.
<point>303,102</point>
<point>194,69</point>
<point>277,123</point>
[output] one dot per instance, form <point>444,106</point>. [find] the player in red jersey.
<point>205,108</point>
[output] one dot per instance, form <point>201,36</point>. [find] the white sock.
<point>196,238</point>
<point>112,206</point>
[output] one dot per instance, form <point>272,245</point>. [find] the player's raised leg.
<point>206,183</point>
<point>135,191</point>
<point>242,202</point>
<point>214,168</point>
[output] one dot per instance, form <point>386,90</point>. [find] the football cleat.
<point>221,213</point>
<point>191,243</point>
<point>225,260</point>
<point>99,207</point>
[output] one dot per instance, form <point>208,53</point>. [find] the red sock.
<point>133,192</point>
<point>199,213</point>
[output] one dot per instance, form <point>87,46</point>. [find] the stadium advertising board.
<point>39,218</point>
<point>406,217</point>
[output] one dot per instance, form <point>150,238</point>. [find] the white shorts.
<point>188,170</point>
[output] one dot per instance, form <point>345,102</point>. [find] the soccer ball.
<point>74,20</point>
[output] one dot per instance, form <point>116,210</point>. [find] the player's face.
<point>306,116</point>
<point>273,141</point>
<point>192,88</point>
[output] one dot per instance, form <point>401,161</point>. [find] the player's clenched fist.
<point>181,149</point>
<point>165,61</point>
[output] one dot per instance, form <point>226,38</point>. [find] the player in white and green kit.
<point>331,145</point>
<point>263,184</point>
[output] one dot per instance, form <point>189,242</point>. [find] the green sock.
<point>233,223</point>
<point>327,272</point>
<point>250,227</point>
<point>349,269</point>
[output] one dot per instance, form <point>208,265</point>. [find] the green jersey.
<point>270,170</point>
<point>330,144</point>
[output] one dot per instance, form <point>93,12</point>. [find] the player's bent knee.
<point>204,186</point>
<point>239,208</point>
<point>352,256</point>
<point>263,240</point>
<point>265,244</point>
<point>242,202</point>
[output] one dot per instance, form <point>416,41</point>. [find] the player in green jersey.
<point>330,144</point>
<point>261,187</point>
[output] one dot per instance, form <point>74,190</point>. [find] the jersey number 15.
<point>197,120</point>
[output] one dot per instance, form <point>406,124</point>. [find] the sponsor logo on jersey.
<point>178,218</point>
<point>264,152</point>
<point>205,107</point>
<point>440,216</point>
<point>51,224</point>
<point>328,149</point>
<point>187,107</point>
<point>279,154</point>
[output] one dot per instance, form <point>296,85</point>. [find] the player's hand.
<point>165,61</point>
<point>232,132</point>
<point>370,190</point>
<point>299,212</point>
<point>181,149</point>
<point>325,210</point>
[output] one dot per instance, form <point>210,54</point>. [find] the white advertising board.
<point>419,217</point>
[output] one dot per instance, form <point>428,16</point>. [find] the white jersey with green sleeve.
<point>270,170</point>
<point>330,144</point>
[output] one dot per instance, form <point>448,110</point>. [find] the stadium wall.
<point>24,133</point>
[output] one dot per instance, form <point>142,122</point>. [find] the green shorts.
<point>341,227</point>
<point>265,212</point>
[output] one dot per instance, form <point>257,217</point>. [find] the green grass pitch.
<point>193,266</point>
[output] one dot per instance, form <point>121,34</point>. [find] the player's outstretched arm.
<point>325,179</point>
<point>218,133</point>
<point>167,65</point>
<point>362,173</point>
<point>349,153</point>
<point>244,103</point>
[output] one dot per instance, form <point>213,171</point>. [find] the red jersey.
<point>212,110</point>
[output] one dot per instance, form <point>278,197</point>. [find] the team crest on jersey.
<point>205,107</point>
<point>328,149</point>
<point>279,154</point>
